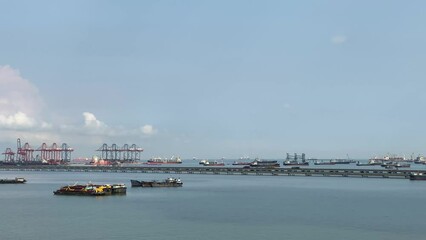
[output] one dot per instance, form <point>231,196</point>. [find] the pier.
<point>323,172</point>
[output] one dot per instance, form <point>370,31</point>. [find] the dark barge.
<point>13,181</point>
<point>417,176</point>
<point>169,182</point>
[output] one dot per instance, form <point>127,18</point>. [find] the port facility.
<point>326,172</point>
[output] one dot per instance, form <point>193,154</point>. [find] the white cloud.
<point>148,130</point>
<point>338,39</point>
<point>93,126</point>
<point>18,120</point>
<point>20,102</point>
<point>91,122</point>
<point>18,94</point>
<point>21,116</point>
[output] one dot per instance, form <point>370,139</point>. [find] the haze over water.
<point>214,207</point>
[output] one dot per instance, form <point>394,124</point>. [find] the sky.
<point>213,79</point>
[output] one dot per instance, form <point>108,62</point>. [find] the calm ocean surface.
<point>214,207</point>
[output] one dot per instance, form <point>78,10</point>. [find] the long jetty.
<point>327,172</point>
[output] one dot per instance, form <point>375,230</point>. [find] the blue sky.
<point>215,79</point>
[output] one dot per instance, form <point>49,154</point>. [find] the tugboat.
<point>11,181</point>
<point>91,190</point>
<point>118,188</point>
<point>169,182</point>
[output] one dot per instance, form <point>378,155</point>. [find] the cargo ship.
<point>12,181</point>
<point>169,182</point>
<point>92,190</point>
<point>395,165</point>
<point>213,163</point>
<point>172,160</point>
<point>236,163</point>
<point>342,161</point>
<point>295,163</point>
<point>324,163</point>
<point>264,164</point>
<point>294,160</point>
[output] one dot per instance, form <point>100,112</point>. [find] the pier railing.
<point>328,172</point>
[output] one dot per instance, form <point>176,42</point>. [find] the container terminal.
<point>124,159</point>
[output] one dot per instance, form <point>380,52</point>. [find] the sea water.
<point>213,207</point>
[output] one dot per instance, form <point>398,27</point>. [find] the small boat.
<point>362,164</point>
<point>373,162</point>
<point>388,164</point>
<point>417,176</point>
<point>169,182</point>
<point>11,181</point>
<point>402,165</point>
<point>420,160</point>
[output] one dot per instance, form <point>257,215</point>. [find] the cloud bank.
<point>20,101</point>
<point>21,111</point>
<point>18,94</point>
<point>18,120</point>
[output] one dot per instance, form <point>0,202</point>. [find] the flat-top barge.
<point>169,182</point>
<point>12,181</point>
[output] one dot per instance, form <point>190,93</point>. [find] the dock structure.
<point>54,154</point>
<point>126,154</point>
<point>323,172</point>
